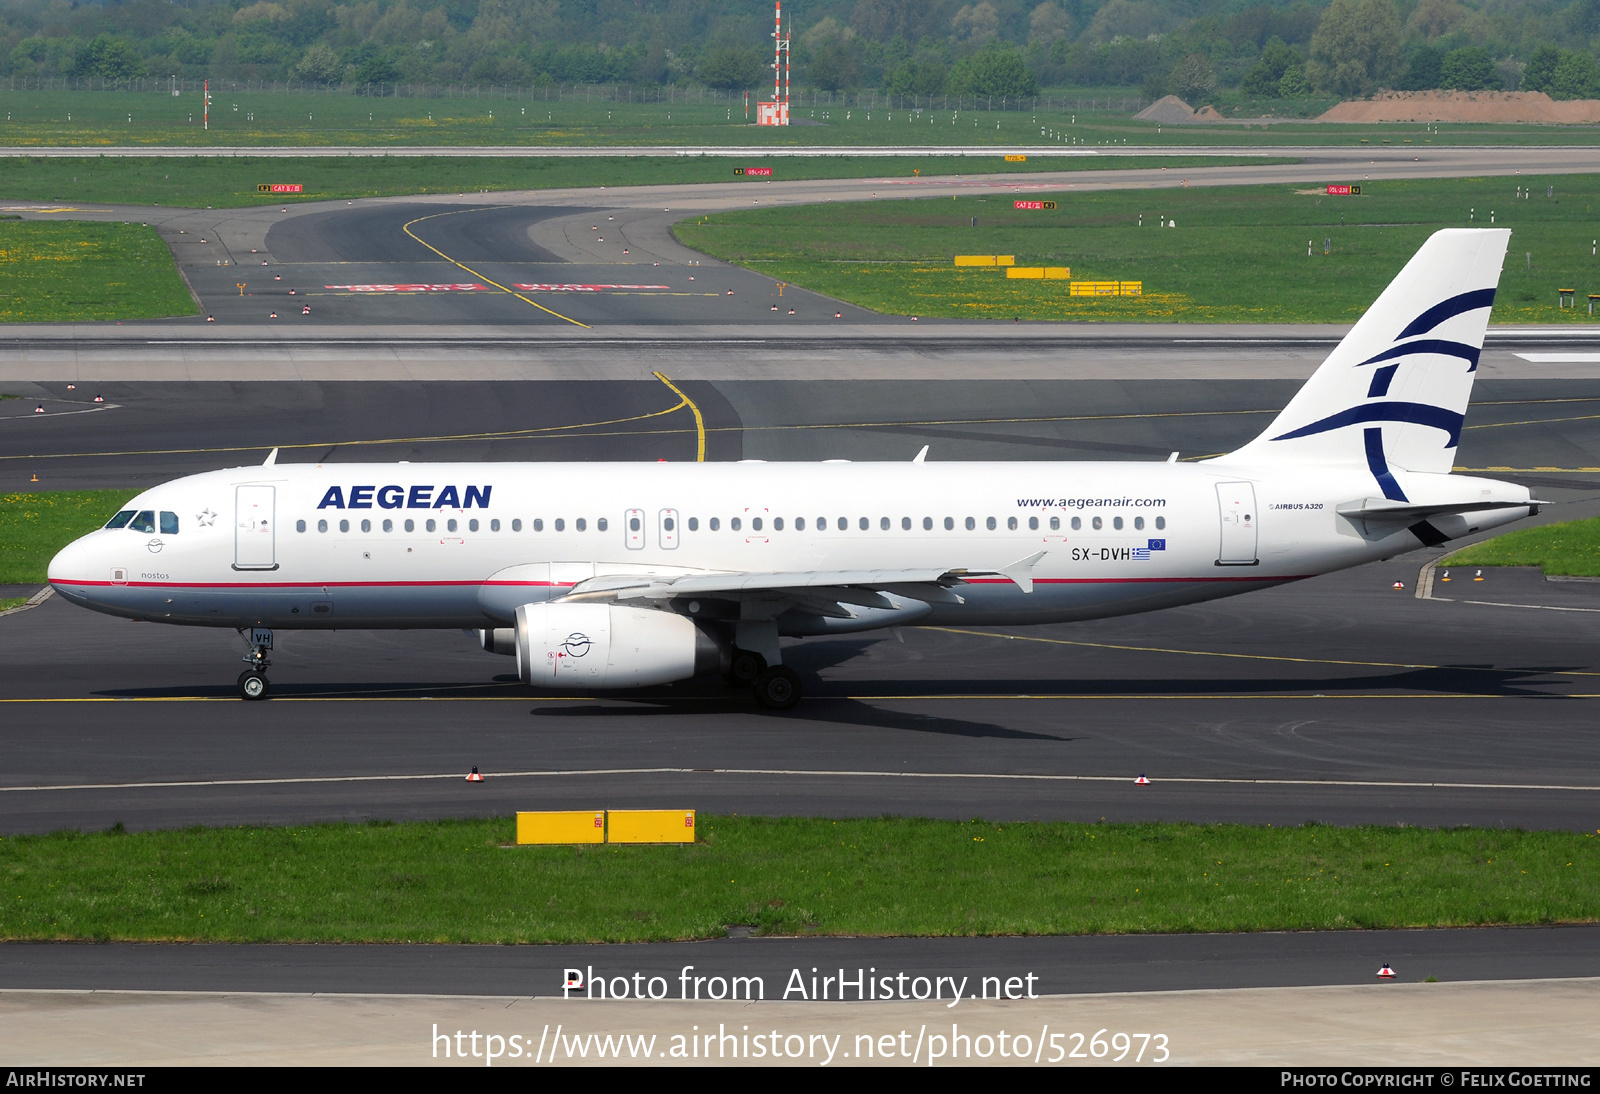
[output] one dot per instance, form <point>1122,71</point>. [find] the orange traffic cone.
<point>474,777</point>
<point>1141,781</point>
<point>1386,973</point>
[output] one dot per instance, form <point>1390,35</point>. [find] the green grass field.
<point>33,527</point>
<point>1571,549</point>
<point>283,118</point>
<point>81,270</point>
<point>227,182</point>
<point>461,881</point>
<point>1236,255</point>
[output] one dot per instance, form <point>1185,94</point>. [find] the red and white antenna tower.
<point>777,111</point>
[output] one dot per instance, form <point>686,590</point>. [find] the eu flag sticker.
<point>1158,545</point>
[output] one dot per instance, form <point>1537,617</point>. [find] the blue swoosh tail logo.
<point>1411,413</point>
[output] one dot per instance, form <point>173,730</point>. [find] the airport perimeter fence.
<point>808,98</point>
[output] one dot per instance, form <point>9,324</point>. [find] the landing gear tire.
<point>777,688</point>
<point>252,685</point>
<point>744,668</point>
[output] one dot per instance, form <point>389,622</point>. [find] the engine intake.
<point>609,646</point>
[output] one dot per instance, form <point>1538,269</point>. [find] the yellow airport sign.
<point>650,826</point>
<point>567,826</point>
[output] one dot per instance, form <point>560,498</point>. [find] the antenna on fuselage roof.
<point>921,457</point>
<point>272,458</point>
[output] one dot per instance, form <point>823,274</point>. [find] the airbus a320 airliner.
<point>603,576</point>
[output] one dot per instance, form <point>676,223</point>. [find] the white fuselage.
<point>370,545</point>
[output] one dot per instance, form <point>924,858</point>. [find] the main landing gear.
<point>774,688</point>
<point>253,680</point>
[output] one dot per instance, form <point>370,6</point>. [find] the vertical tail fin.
<point>1394,393</point>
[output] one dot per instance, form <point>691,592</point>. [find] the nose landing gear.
<point>253,680</point>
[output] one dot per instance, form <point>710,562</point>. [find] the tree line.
<point>1196,48</point>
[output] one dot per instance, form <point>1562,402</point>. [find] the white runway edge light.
<point>1141,781</point>
<point>1386,973</point>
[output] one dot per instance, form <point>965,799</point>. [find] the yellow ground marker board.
<point>1107,288</point>
<point>571,826</point>
<point>651,826</point>
<point>1053,273</point>
<point>986,260</point>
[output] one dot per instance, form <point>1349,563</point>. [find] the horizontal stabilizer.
<point>1404,513</point>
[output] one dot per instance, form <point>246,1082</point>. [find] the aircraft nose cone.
<point>70,565</point>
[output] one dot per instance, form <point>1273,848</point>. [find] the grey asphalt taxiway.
<point>1337,699</point>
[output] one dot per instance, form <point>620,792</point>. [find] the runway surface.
<point>1060,965</point>
<point>1336,699</point>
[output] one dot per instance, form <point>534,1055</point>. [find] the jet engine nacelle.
<point>609,646</point>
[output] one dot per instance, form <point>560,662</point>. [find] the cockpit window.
<point>169,524</point>
<point>144,522</point>
<point>120,519</point>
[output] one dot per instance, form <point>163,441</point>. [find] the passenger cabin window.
<point>299,526</point>
<point>411,526</point>
<point>516,525</point>
<point>971,524</point>
<point>561,524</point>
<point>799,524</point>
<point>927,524</point>
<point>694,524</point>
<point>989,523</point>
<point>472,525</point>
<point>1161,522</point>
<point>777,524</point>
<point>1033,524</point>
<point>844,524</point>
<point>322,526</point>
<point>716,523</point>
<point>1116,522</point>
<point>432,526</point>
<point>1077,523</point>
<point>1098,524</point>
<point>366,526</point>
<point>734,524</point>
<point>949,524</point>
<point>494,525</point>
<point>121,519</point>
<point>388,526</point>
<point>602,524</point>
<point>344,526</point>
<point>144,522</point>
<point>581,524</point>
<point>755,524</point>
<point>450,525</point>
<point>1138,523</point>
<point>1011,523</point>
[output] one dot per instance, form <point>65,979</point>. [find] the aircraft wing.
<point>848,586</point>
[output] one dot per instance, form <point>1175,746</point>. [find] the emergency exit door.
<point>254,528</point>
<point>1236,502</point>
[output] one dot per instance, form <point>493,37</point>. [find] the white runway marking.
<point>789,773</point>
